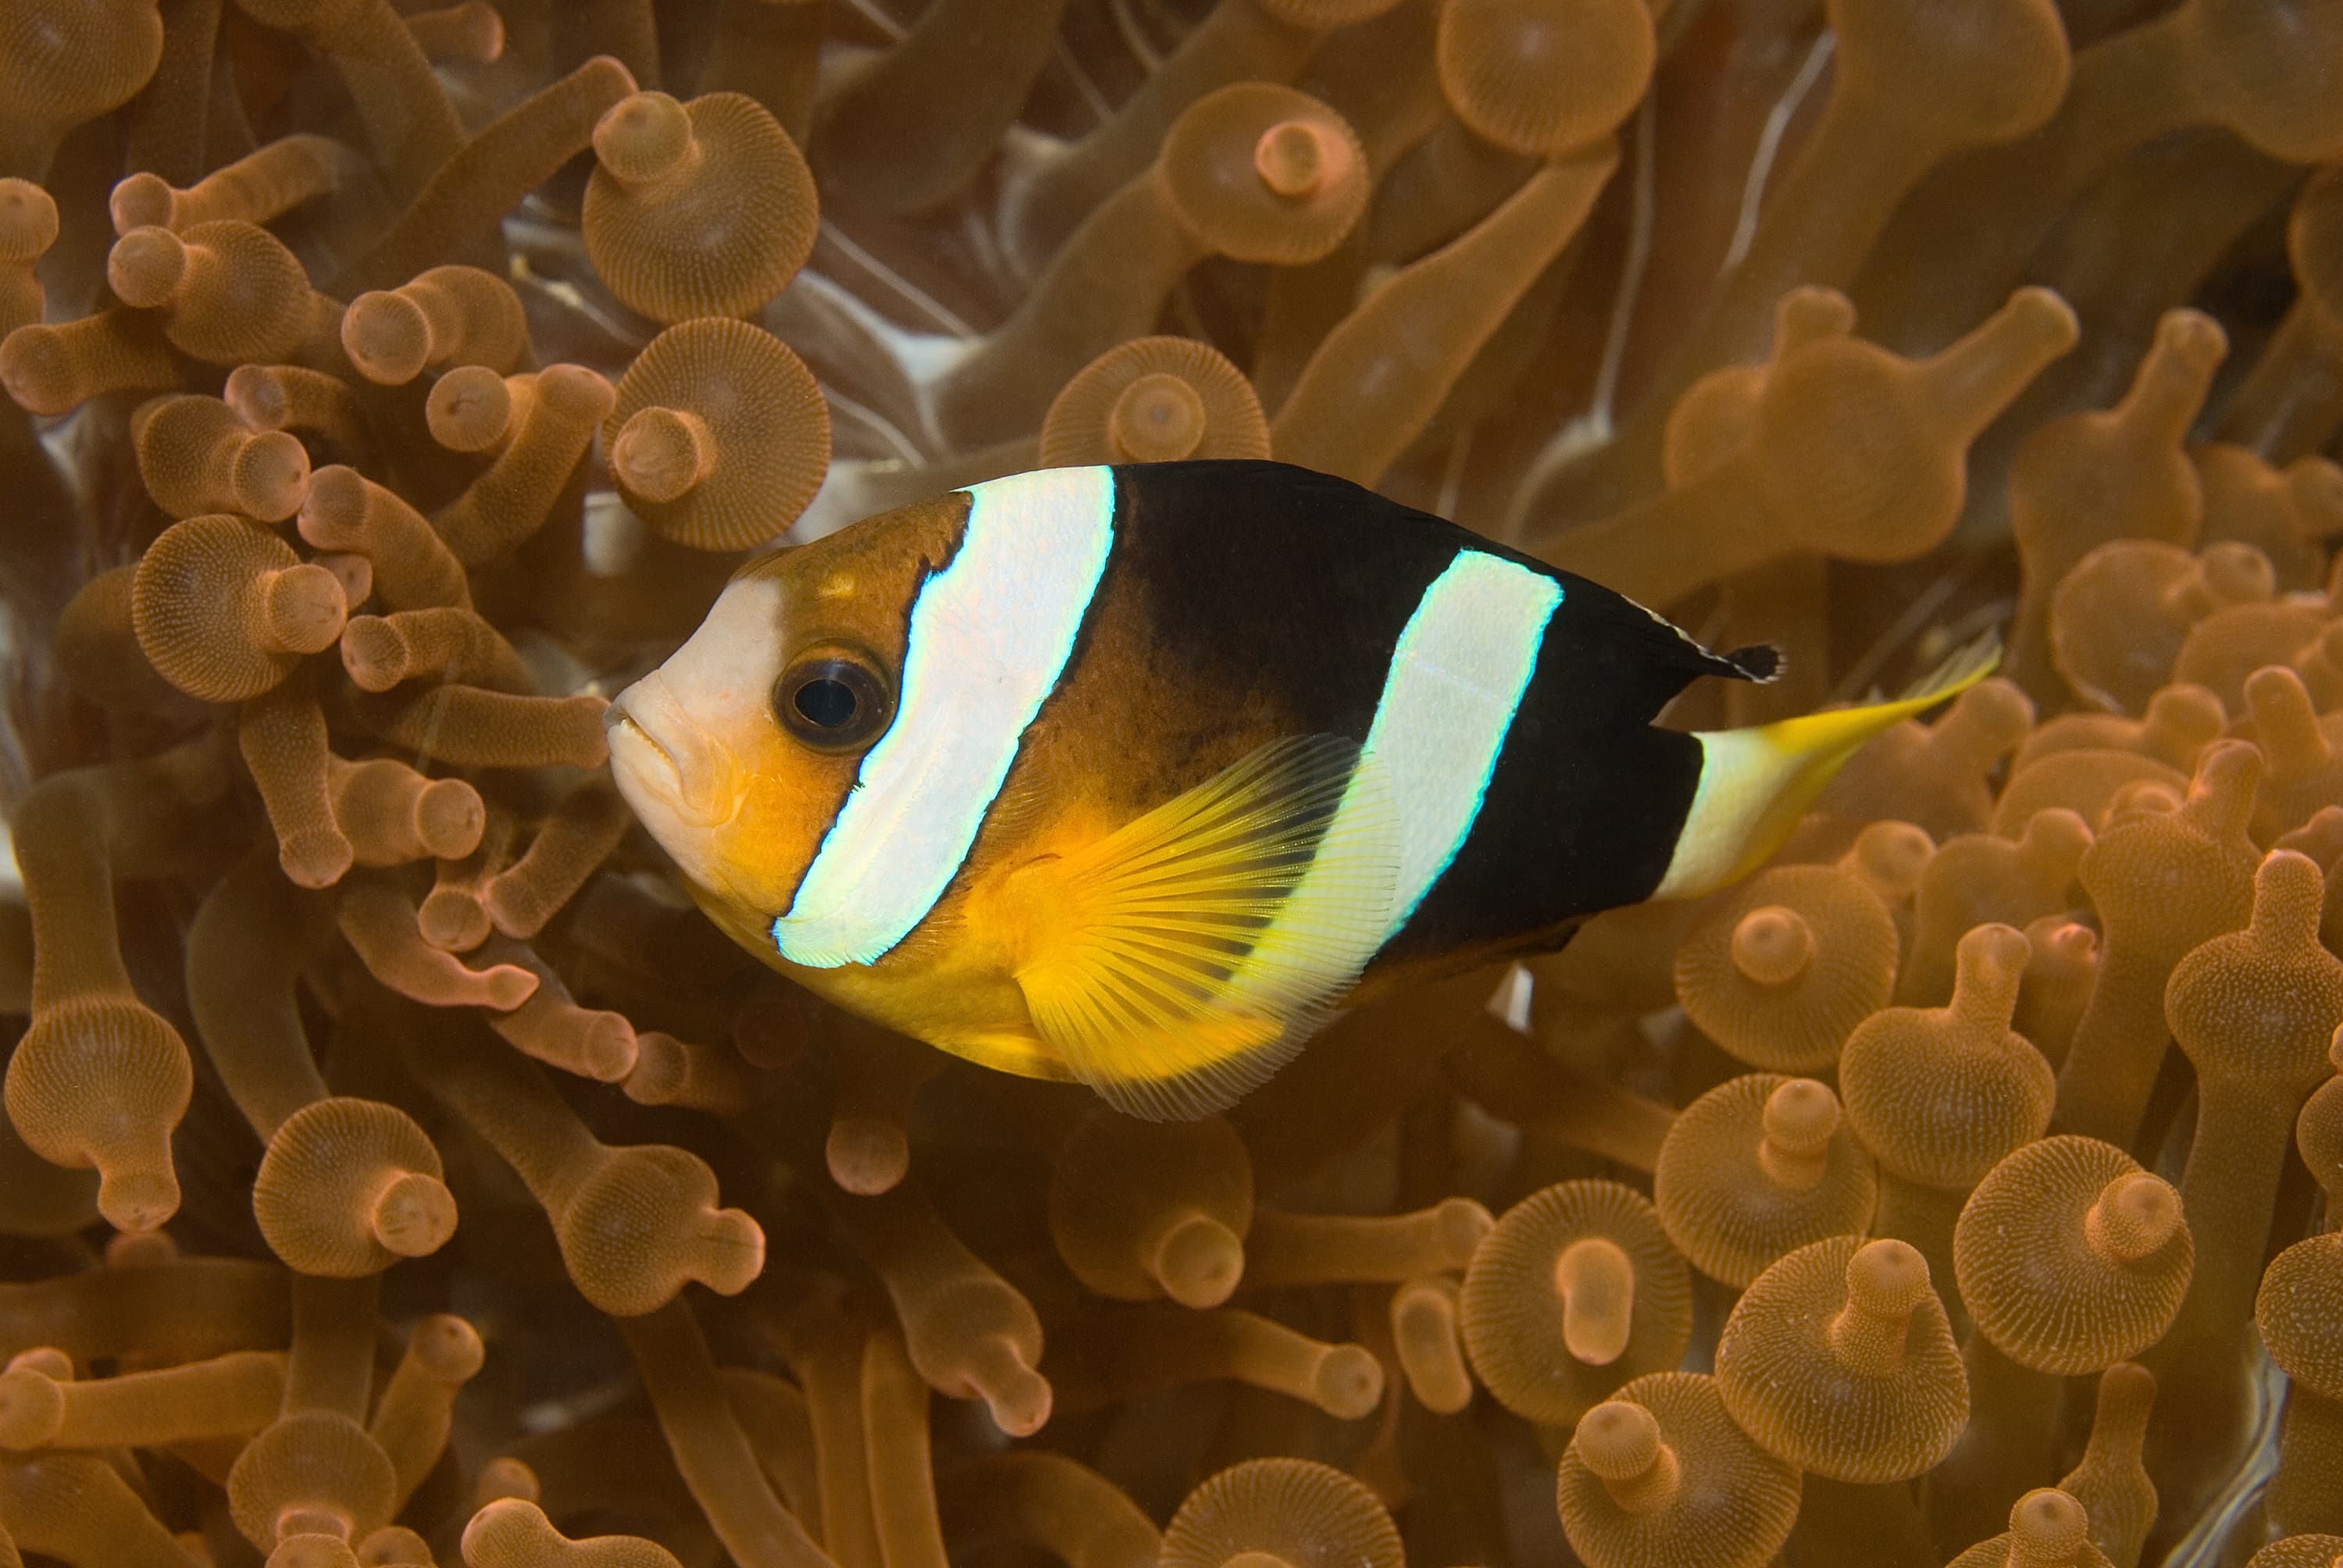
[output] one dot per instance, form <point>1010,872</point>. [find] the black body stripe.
<point>1260,572</point>
<point>1257,574</point>
<point>1581,814</point>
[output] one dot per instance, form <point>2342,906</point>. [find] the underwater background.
<point>397,1170</point>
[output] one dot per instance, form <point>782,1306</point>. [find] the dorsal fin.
<point>1644,656</point>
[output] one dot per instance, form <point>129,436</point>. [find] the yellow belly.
<point>944,991</point>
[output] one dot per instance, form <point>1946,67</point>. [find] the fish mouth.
<point>616,718</point>
<point>666,762</point>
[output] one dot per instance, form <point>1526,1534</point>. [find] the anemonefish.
<point>1132,775</point>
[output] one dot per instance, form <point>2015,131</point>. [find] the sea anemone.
<point>398,1168</point>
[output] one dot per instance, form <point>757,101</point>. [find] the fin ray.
<point>1184,957</point>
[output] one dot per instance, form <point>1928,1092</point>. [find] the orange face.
<point>738,752</point>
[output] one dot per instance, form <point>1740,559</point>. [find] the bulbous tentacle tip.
<point>479,33</point>
<point>448,1347</point>
<point>2049,1521</point>
<point>373,652</point>
<point>606,1047</point>
<point>1801,1117</point>
<point>269,476</point>
<point>35,370</point>
<point>28,221</point>
<point>226,610</point>
<point>1426,1337</point>
<point>141,199</point>
<point>31,1407</point>
<point>1199,1261</point>
<point>451,817</point>
<point>1966,385</point>
<point>316,857</point>
<point>1894,856</point>
<point>1159,417</point>
<point>452,921</point>
<point>1459,1224</point>
<point>333,504</point>
<point>348,1186</point>
<point>1539,77</point>
<point>146,266</point>
<point>644,1222</point>
<point>2230,572</point>
<point>2290,894</point>
<point>414,1215</point>
<point>661,453</point>
<point>387,337</point>
<point>1018,1397</point>
<point>302,609</point>
<point>2141,798</point>
<point>2281,706</point>
<point>1290,157</point>
<point>505,987</point>
<point>2193,340</point>
<point>505,1476</point>
<point>867,1155</point>
<point>1618,1440</point>
<point>581,396</point>
<point>1155,400</point>
<point>2044,313</point>
<point>720,436</point>
<point>1994,716</point>
<point>313,1549</point>
<point>138,1199</point>
<point>1260,173</point>
<point>644,137</point>
<point>123,1131</point>
<point>2134,1215</point>
<point>2055,835</point>
<point>698,210</point>
<point>514,1532</point>
<point>2064,1221</point>
<point>1596,1280</point>
<point>1989,964</point>
<point>1886,1278</point>
<point>1809,314</point>
<point>1349,1383</point>
<point>395,1546</point>
<point>733,1252</point>
<point>312,1471</point>
<point>509,1533</point>
<point>53,1363</point>
<point>2221,794</point>
<point>469,408</point>
<point>2314,486</point>
<point>1772,945</point>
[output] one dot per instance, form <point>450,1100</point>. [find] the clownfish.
<point>1132,775</point>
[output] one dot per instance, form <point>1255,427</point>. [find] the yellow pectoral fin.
<point>1755,783</point>
<point>1182,960</point>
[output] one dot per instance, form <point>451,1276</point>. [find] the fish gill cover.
<point>398,1171</point>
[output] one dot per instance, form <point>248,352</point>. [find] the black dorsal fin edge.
<point>1760,661</point>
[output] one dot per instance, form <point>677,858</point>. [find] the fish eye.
<point>832,700</point>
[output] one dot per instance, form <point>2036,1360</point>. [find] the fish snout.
<point>667,761</point>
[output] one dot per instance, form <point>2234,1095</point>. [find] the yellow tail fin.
<point>1755,783</point>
